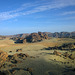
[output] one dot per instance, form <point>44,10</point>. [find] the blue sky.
<point>27,16</point>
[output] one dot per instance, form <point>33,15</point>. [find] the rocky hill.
<point>49,34</point>
<point>61,34</point>
<point>20,35</point>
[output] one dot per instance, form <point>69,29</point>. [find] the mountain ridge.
<point>55,34</point>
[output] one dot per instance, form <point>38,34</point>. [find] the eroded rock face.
<point>3,56</point>
<point>35,37</point>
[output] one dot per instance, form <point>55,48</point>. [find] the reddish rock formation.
<point>3,56</point>
<point>35,37</point>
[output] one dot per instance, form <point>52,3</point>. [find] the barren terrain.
<point>41,60</point>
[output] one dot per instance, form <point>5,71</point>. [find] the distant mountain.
<point>60,34</point>
<point>19,35</point>
<point>49,34</point>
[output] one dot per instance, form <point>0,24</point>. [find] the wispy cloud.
<point>29,8</point>
<point>70,18</point>
<point>68,13</point>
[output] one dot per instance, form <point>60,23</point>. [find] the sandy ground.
<point>44,63</point>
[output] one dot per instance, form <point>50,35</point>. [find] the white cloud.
<point>68,13</point>
<point>29,8</point>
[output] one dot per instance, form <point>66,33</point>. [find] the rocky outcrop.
<point>35,37</point>
<point>15,56</point>
<point>20,40</point>
<point>3,58</point>
<point>61,34</point>
<point>65,46</point>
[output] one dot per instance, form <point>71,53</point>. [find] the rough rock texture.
<point>13,58</point>
<point>3,56</point>
<point>49,34</point>
<point>35,37</point>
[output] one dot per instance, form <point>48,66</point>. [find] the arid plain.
<point>39,60</point>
